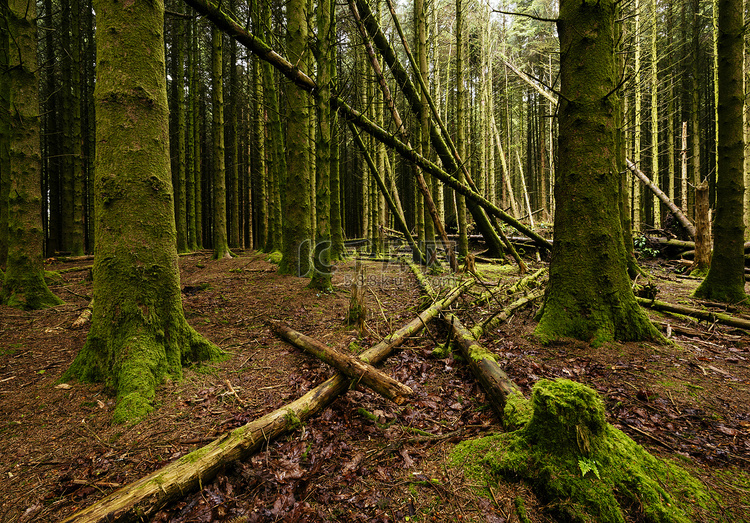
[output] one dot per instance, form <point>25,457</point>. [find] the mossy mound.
<point>584,469</point>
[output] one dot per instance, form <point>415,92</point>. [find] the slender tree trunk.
<point>24,286</point>
<point>190,120</point>
<point>422,138</point>
<point>275,146</point>
<point>259,166</point>
<point>78,245</point>
<point>5,133</point>
<point>463,238</point>
<point>179,174</point>
<point>321,274</point>
<point>219,237</point>
<point>695,93</point>
<point>138,334</point>
<point>726,278</point>
<point>589,295</point>
<point>233,197</point>
<point>637,86</point>
<point>338,249</point>
<point>655,178</point>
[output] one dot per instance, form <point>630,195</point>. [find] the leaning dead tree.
<point>141,499</point>
<point>684,221</point>
<point>231,27</point>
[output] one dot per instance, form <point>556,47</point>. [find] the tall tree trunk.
<point>178,166</point>
<point>77,246</point>
<point>655,178</point>
<point>463,238</point>
<point>138,334</point>
<point>694,90</point>
<point>275,146</point>
<point>725,280</point>
<point>296,194</point>
<point>589,295</point>
<point>190,119</point>
<point>24,284</point>
<point>422,137</point>
<point>5,133</point>
<point>321,275</point>
<point>637,86</point>
<point>338,248</point>
<point>219,237</point>
<point>258,159</point>
<point>233,196</point>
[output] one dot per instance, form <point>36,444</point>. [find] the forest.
<point>369,260</point>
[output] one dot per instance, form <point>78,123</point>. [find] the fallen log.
<point>356,369</point>
<point>141,499</point>
<point>714,317</point>
<point>483,364</point>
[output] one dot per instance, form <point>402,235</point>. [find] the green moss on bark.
<point>589,296</point>
<point>584,469</point>
<point>23,285</point>
<point>139,335</point>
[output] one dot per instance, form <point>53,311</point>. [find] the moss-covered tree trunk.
<point>24,284</point>
<point>338,249</point>
<point>589,295</point>
<point>138,334</point>
<point>321,275</point>
<point>258,157</point>
<point>190,121</point>
<point>726,278</point>
<point>233,198</point>
<point>4,135</point>
<point>179,173</point>
<point>296,197</point>
<point>463,238</point>
<point>219,238</point>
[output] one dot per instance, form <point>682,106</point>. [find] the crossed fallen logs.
<point>144,497</point>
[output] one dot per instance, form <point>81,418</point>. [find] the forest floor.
<point>360,459</point>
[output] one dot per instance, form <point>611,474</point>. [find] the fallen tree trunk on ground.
<point>714,317</point>
<point>356,369</point>
<point>493,379</point>
<point>144,497</point>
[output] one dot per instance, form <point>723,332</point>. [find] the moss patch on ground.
<point>584,469</point>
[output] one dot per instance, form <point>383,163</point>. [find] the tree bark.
<point>589,296</point>
<point>725,280</point>
<point>354,368</point>
<point>138,334</point>
<point>322,269</point>
<point>144,497</point>
<point>24,286</point>
<point>296,194</point>
<point>703,243</point>
<point>219,238</point>
<point>5,133</point>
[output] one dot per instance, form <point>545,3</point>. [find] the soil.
<point>361,459</point>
